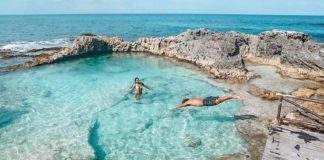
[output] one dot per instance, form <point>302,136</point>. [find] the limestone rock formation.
<point>221,54</point>
<point>262,93</point>
<point>293,53</point>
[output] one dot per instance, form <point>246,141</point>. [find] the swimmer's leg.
<point>138,96</point>
<point>225,98</point>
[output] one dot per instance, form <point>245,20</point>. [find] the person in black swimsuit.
<point>138,87</point>
<point>208,101</point>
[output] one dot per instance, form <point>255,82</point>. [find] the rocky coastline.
<point>223,56</point>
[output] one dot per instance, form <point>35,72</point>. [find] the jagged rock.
<point>263,93</point>
<point>6,55</point>
<point>293,53</point>
<point>89,45</point>
<point>219,53</point>
<point>83,45</point>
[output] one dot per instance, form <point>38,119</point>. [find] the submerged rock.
<point>262,93</point>
<point>190,141</point>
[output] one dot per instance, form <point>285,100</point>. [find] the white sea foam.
<point>23,46</point>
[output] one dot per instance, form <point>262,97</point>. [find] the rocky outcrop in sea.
<point>221,54</point>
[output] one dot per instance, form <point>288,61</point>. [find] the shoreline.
<point>222,54</point>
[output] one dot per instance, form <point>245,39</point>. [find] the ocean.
<point>23,32</point>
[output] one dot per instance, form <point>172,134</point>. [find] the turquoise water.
<point>78,109</point>
<point>38,31</point>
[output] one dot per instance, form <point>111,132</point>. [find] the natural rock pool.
<point>79,109</point>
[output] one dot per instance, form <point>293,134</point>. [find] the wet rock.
<point>88,34</point>
<point>304,92</point>
<point>237,156</point>
<point>46,49</point>
<point>262,93</point>
<point>6,55</point>
<point>18,66</point>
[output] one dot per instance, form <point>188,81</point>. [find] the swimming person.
<point>208,101</point>
<point>138,86</point>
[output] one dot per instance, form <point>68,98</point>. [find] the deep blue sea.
<point>21,31</point>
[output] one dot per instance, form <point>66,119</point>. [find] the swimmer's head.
<point>136,79</point>
<point>185,100</point>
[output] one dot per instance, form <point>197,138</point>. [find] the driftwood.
<point>319,120</point>
<point>303,124</point>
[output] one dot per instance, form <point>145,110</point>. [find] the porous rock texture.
<point>221,54</point>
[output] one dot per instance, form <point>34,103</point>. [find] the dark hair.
<point>185,100</point>
<point>136,78</point>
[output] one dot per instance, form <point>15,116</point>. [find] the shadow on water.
<point>226,118</point>
<point>93,140</point>
<point>7,117</point>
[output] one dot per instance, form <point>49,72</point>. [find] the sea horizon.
<point>58,30</point>
<point>229,14</point>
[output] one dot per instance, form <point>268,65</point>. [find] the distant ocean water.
<point>23,32</point>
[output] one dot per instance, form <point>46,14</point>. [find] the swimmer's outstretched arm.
<point>131,88</point>
<point>150,88</point>
<point>182,105</point>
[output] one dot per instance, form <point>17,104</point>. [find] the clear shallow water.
<point>19,32</point>
<point>78,109</point>
<point>282,84</point>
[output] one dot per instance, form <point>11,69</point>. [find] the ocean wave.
<point>23,46</point>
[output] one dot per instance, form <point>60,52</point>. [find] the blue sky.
<point>272,7</point>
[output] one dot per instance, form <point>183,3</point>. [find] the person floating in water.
<point>208,101</point>
<point>138,87</point>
